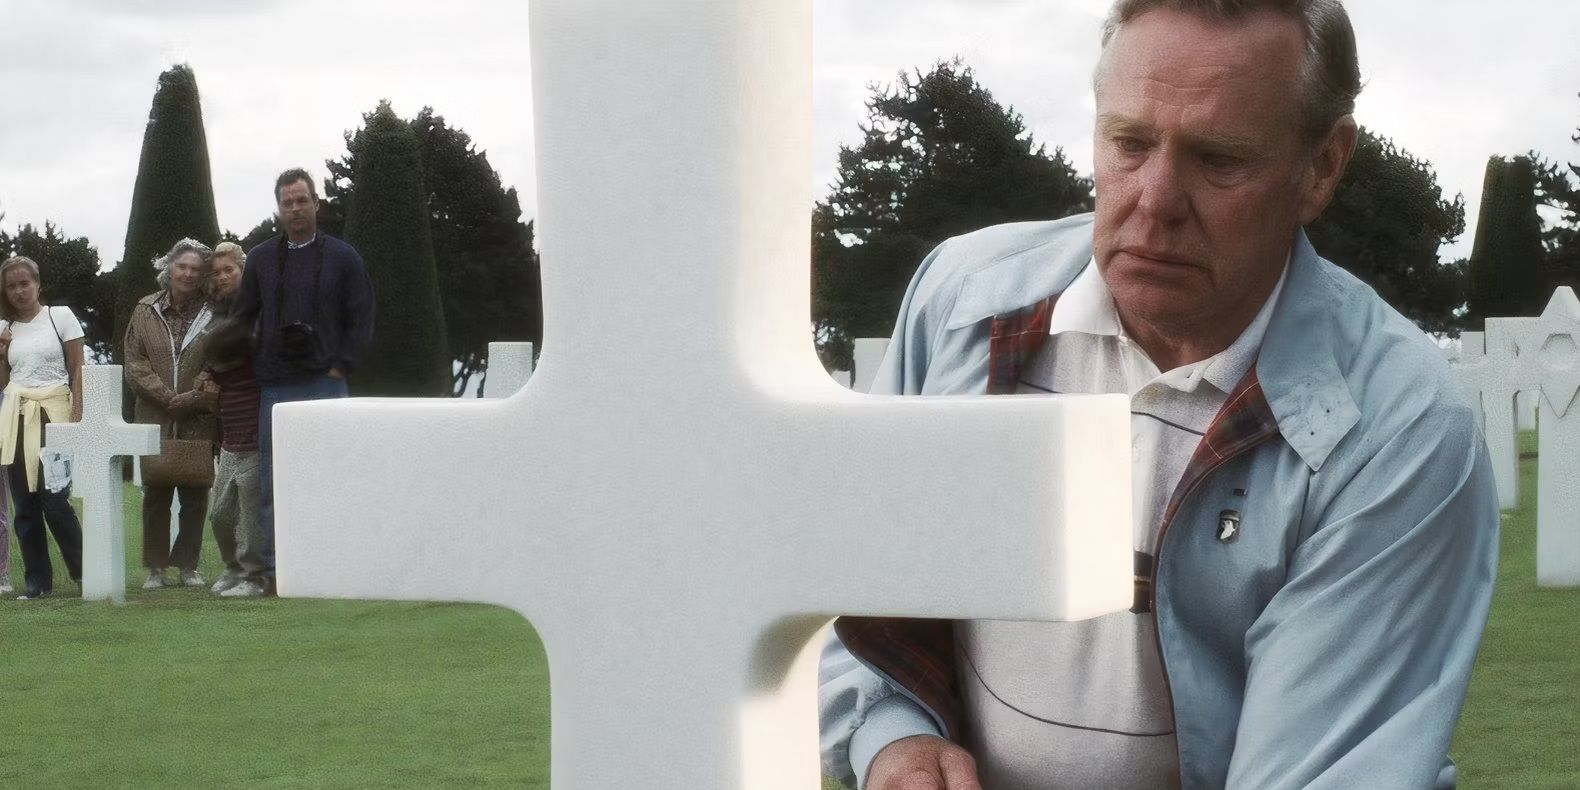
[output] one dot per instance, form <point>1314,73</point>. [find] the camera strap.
<point>318,277</point>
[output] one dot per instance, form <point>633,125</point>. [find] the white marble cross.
<point>686,495</point>
<point>509,367</point>
<point>1526,405</point>
<point>98,446</point>
<point>1546,357</point>
<point>1489,383</point>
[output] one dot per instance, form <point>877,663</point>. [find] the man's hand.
<point>335,373</point>
<point>923,762</point>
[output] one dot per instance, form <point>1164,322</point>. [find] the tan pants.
<point>237,528</point>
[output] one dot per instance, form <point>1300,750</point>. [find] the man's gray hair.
<point>184,246</point>
<point>1332,71</point>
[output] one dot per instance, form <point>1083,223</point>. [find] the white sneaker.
<point>246,589</point>
<point>227,580</point>
<point>192,579</point>
<point>156,579</point>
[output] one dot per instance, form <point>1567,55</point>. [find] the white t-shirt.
<point>37,359</point>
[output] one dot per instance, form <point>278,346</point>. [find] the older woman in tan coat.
<point>164,356</point>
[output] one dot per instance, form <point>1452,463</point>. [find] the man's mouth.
<point>1159,256</point>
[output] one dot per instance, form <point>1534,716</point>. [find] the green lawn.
<point>1521,727</point>
<point>179,689</point>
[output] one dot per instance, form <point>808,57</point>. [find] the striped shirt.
<point>1085,704</point>
<point>238,408</point>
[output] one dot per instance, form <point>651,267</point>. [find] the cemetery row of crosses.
<point>1517,369</point>
<point>1534,355</point>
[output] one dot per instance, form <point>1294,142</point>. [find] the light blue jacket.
<point>1332,644</point>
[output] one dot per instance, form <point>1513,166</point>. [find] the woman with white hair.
<point>41,371</point>
<point>164,356</point>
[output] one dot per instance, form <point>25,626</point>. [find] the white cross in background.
<point>1488,381</point>
<point>509,367</point>
<point>1542,353</point>
<point>686,496</point>
<point>99,445</point>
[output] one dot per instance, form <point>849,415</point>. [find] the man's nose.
<point>1163,195</point>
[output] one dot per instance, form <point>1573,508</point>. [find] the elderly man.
<point>1315,528</point>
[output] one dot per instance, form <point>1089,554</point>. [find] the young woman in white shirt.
<point>41,353</point>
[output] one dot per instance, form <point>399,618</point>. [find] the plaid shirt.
<point>919,655</point>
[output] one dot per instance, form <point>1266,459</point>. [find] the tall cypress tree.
<point>939,156</point>
<point>174,195</point>
<point>1506,261</point>
<point>388,224</point>
<point>488,271</point>
<point>1387,221</point>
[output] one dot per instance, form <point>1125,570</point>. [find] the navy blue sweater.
<point>341,311</point>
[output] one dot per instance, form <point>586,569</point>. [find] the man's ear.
<point>1329,161</point>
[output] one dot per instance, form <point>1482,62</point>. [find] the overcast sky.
<point>1453,81</point>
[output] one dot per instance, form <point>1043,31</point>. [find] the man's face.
<point>298,209</point>
<point>1202,172</point>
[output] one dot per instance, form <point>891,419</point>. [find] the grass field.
<point>1521,728</point>
<point>179,689</point>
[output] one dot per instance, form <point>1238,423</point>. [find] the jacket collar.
<point>159,301</point>
<point>1297,367</point>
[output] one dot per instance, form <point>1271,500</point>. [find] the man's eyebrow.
<point>1226,143</point>
<point>1112,123</point>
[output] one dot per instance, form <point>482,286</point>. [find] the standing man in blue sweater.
<point>310,302</point>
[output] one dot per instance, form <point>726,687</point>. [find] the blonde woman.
<point>224,276</point>
<point>41,370</point>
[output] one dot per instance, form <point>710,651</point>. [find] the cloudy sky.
<point>1453,81</point>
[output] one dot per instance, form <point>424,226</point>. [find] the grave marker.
<point>99,446</point>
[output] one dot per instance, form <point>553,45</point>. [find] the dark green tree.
<point>69,271</point>
<point>1558,188</point>
<point>388,224</point>
<point>270,228</point>
<point>174,195</point>
<point>1386,223</point>
<point>488,271</point>
<point>1507,277</point>
<point>939,156</point>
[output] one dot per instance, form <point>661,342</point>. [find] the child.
<point>237,530</point>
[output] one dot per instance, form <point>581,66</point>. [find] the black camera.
<point>299,343</point>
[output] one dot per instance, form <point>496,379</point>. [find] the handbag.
<point>181,463</point>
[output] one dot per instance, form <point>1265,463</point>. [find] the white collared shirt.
<point>1059,706</point>
<point>1089,352</point>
